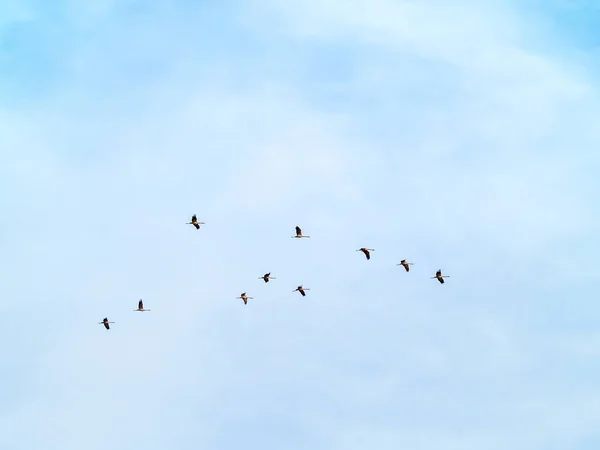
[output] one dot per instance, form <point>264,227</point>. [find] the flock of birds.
<point>267,276</point>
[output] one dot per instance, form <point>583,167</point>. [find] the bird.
<point>195,222</point>
<point>440,277</point>
<point>366,251</point>
<point>405,264</point>
<point>105,322</point>
<point>141,306</point>
<point>267,277</point>
<point>245,298</point>
<point>301,290</point>
<point>299,233</point>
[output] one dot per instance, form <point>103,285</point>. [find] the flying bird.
<point>105,322</point>
<point>141,306</point>
<point>244,297</point>
<point>267,277</point>
<point>301,290</point>
<point>299,233</point>
<point>440,277</point>
<point>405,264</point>
<point>195,222</point>
<point>366,251</point>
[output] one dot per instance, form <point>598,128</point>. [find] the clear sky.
<point>460,135</point>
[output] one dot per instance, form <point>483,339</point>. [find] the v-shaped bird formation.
<point>267,276</point>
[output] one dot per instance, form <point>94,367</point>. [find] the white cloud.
<point>467,187</point>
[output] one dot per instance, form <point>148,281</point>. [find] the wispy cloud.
<point>456,137</point>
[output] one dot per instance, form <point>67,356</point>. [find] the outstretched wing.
<point>298,231</point>
<point>140,304</point>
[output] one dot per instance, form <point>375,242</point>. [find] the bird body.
<point>440,277</point>
<point>244,297</point>
<point>301,290</point>
<point>195,222</point>
<point>141,306</point>
<point>405,264</point>
<point>267,277</point>
<point>366,251</point>
<point>299,233</point>
<point>106,323</point>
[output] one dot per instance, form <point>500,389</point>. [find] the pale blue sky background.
<point>460,135</point>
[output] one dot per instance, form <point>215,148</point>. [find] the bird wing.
<point>367,253</point>
<point>140,305</point>
<point>197,226</point>
<point>298,231</point>
<point>194,218</point>
<point>406,266</point>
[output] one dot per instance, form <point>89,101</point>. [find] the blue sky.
<point>460,136</point>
